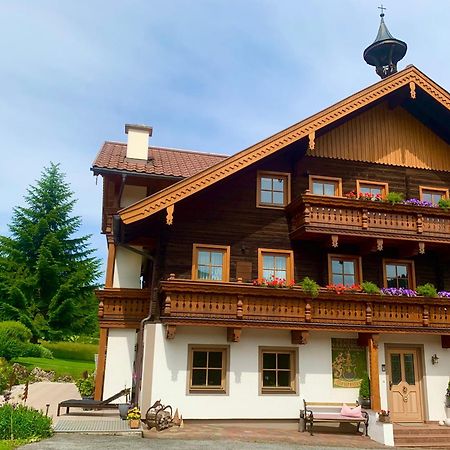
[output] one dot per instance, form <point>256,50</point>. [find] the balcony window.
<point>274,264</point>
<point>399,274</point>
<point>432,195</point>
<point>211,262</point>
<point>372,188</point>
<point>328,186</point>
<point>273,190</point>
<point>277,370</point>
<point>343,269</point>
<point>208,369</point>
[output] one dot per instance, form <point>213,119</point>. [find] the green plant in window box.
<point>310,287</point>
<point>395,197</point>
<point>444,203</point>
<point>427,290</point>
<point>370,288</point>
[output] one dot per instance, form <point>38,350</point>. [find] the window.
<point>278,370</point>
<point>399,274</point>
<point>208,369</point>
<point>275,264</point>
<point>432,195</point>
<point>211,262</point>
<point>343,269</point>
<point>325,186</point>
<point>372,187</point>
<point>273,189</point>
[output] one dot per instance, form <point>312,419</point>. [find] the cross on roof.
<point>382,10</point>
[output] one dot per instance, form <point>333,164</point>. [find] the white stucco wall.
<point>169,362</point>
<point>127,270</point>
<point>119,361</point>
<point>137,146</point>
<point>243,399</point>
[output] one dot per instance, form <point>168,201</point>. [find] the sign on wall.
<point>349,363</point>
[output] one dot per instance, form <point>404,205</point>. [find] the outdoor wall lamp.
<point>434,359</point>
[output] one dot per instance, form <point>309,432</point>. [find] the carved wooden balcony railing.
<point>122,308</point>
<point>244,305</point>
<point>313,214</point>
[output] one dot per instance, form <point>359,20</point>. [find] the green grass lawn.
<point>15,443</point>
<point>61,367</point>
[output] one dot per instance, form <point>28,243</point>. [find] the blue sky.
<point>212,75</point>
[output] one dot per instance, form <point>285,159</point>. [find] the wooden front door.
<point>405,384</point>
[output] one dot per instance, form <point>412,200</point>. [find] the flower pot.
<point>134,423</point>
<point>364,402</point>
<point>123,410</point>
<point>384,419</point>
<point>447,412</point>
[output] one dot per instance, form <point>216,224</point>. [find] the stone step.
<point>428,444</point>
<point>408,431</point>
<point>413,439</point>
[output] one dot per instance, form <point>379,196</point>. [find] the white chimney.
<point>137,145</point>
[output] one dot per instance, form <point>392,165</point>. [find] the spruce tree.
<point>47,273</point>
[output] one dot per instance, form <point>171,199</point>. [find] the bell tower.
<point>386,51</point>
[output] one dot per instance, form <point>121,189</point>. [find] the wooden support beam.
<point>363,339</point>
<point>374,373</point>
<point>334,240</point>
<point>445,340</point>
<point>299,337</point>
<point>312,140</point>
<point>169,216</point>
<point>412,89</point>
<point>233,334</point>
<point>170,331</point>
<point>109,278</point>
<point>101,363</point>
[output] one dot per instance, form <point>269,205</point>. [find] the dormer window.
<point>432,195</point>
<point>273,189</point>
<point>328,186</point>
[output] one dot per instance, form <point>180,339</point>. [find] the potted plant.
<point>86,385</point>
<point>364,392</point>
<point>134,417</point>
<point>310,287</point>
<point>383,416</point>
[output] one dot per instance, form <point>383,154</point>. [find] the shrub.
<point>86,384</point>
<point>364,389</point>
<point>395,197</point>
<point>427,290</point>
<point>310,287</point>
<point>22,422</point>
<point>37,351</point>
<point>14,330</point>
<point>444,203</point>
<point>72,350</point>
<point>370,288</point>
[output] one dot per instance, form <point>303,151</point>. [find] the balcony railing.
<point>244,305</point>
<point>312,214</point>
<point>122,308</point>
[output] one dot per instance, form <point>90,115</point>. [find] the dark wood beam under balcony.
<point>312,216</point>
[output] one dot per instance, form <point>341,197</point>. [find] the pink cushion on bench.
<point>350,412</point>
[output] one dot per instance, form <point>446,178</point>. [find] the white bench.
<point>314,412</point>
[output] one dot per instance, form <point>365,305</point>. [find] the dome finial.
<point>386,51</point>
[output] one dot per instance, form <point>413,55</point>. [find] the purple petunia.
<point>399,292</point>
<point>444,294</point>
<point>417,202</point>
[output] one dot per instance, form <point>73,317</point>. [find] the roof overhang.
<point>166,198</point>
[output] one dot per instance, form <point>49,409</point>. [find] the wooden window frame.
<point>287,189</point>
<point>435,189</point>
<point>293,388</point>
<point>289,263</point>
<point>313,178</point>
<point>384,186</point>
<point>226,261</point>
<point>412,272</point>
<point>223,389</point>
<point>355,258</point>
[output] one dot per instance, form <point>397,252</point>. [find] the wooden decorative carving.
<point>239,312</point>
<point>412,89</point>
<point>312,140</point>
<point>368,313</point>
<point>422,248</point>
<point>308,312</point>
<point>334,240</point>
<point>243,159</point>
<point>233,334</point>
<point>419,223</point>
<point>379,245</point>
<point>171,276</point>
<point>167,306</point>
<point>426,316</point>
<point>100,309</point>
<point>365,219</point>
<point>170,331</point>
<point>169,216</point>
<point>299,337</point>
<point>445,340</point>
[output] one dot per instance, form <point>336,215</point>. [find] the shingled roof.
<point>162,161</point>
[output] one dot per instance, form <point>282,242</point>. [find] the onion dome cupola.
<point>386,51</point>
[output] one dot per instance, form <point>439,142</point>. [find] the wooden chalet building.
<point>182,318</point>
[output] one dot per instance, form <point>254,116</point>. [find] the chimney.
<point>137,145</point>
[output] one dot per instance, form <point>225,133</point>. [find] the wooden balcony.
<point>237,305</point>
<point>313,215</point>
<point>122,308</point>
